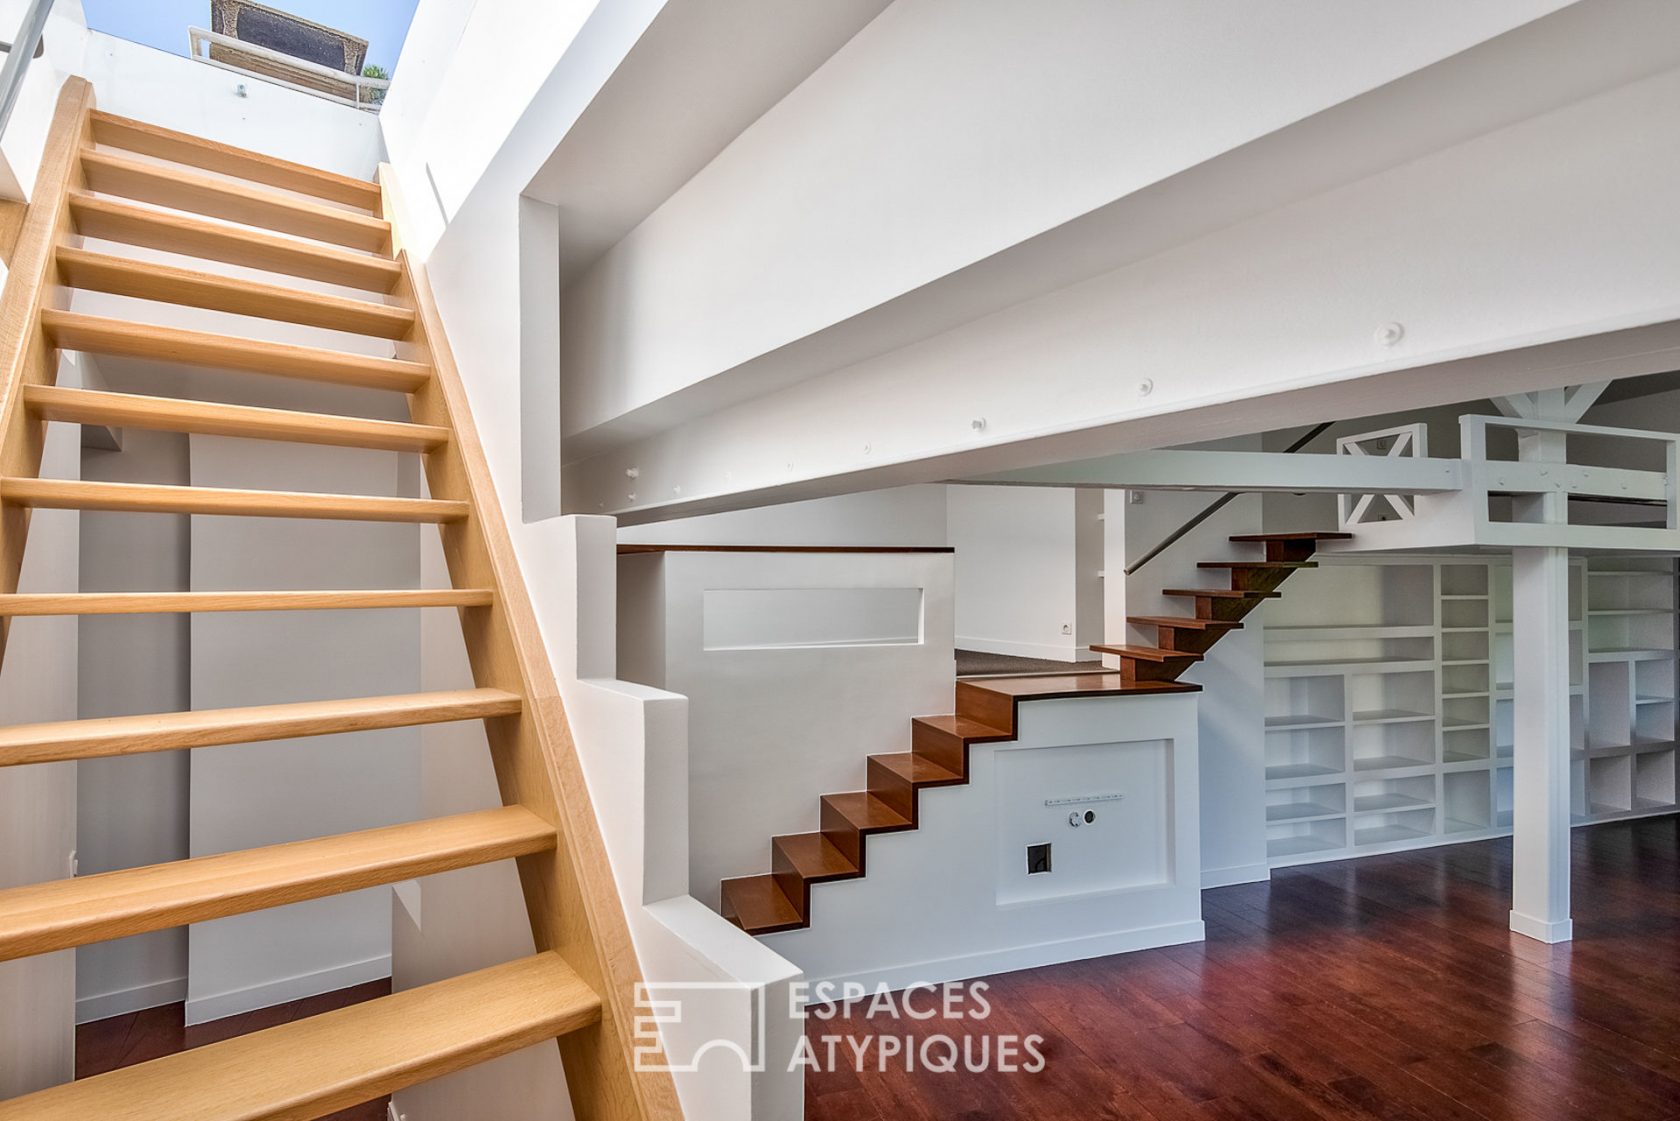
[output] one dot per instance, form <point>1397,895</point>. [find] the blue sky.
<point>163,23</point>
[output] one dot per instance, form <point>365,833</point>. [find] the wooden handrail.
<point>27,357</point>
<point>570,894</point>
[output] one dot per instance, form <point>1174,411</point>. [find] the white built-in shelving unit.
<point>1388,700</point>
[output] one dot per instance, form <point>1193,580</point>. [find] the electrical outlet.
<point>1067,628</point>
<point>72,864</point>
<point>1038,859</point>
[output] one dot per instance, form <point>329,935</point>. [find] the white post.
<point>1540,772</point>
<point>1540,635</point>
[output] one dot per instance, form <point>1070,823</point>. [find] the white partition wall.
<point>797,666</point>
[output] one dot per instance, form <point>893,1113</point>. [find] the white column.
<point>1540,772</point>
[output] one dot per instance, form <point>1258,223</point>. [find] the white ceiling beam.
<point>1261,472</point>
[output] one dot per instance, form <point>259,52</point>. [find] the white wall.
<point>176,92</point>
<point>771,730</point>
<point>133,810</point>
<point>38,682</point>
<point>1018,586</point>
<point>1230,708</point>
<point>467,73</point>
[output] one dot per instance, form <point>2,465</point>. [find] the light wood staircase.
<point>111,179</point>
<point>987,709</point>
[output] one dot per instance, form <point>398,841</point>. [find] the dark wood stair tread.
<point>1220,593</point>
<point>867,812</point>
<point>1184,623</point>
<point>1148,653</point>
<point>917,769</point>
<point>963,727</point>
<point>814,857</point>
<point>1289,565</point>
<point>758,905</point>
<point>1307,535</point>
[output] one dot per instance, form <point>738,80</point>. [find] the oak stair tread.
<point>180,188</point>
<point>1147,653</point>
<point>146,603</point>
<point>172,414</point>
<point>868,813</point>
<point>758,905</point>
<point>916,769</point>
<point>114,131</point>
<point>332,1061</point>
<point>1304,535</point>
<point>149,280</point>
<point>813,857</point>
<point>75,494</point>
<point>171,731</point>
<point>1184,622</point>
<point>109,219</point>
<point>1220,593</point>
<point>41,918</point>
<point>97,334</point>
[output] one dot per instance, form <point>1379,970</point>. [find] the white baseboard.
<point>1236,874</point>
<point>217,1006</point>
<point>1067,653</point>
<point>102,1006</point>
<point>942,970</point>
<point>1543,930</point>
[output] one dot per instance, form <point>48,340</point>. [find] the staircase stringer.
<point>570,893</point>
<point>27,357</point>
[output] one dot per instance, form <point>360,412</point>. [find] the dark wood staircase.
<point>1181,642</point>
<point>987,709</point>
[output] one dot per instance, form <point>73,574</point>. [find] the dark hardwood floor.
<point>122,1041</point>
<point>1384,989</point>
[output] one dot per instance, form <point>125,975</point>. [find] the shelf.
<point>1301,811</point>
<point>1464,630</point>
<point>1348,665</point>
<point>1389,763</point>
<point>1452,696</point>
<point>1296,846</point>
<point>1646,805</point>
<point>1644,746</point>
<point>1464,661</point>
<point>1483,595</point>
<point>1291,723</point>
<point>1630,611</point>
<point>1298,770</point>
<point>1388,803</point>
<point>1502,819</point>
<point>1454,825</point>
<point>1387,834</point>
<point>1391,716</point>
<point>1452,757</point>
<point>1463,725</point>
<point>1325,633</point>
<point>1630,655</point>
<point>1653,700</point>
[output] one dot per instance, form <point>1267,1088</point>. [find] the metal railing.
<point>1216,505</point>
<point>28,46</point>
